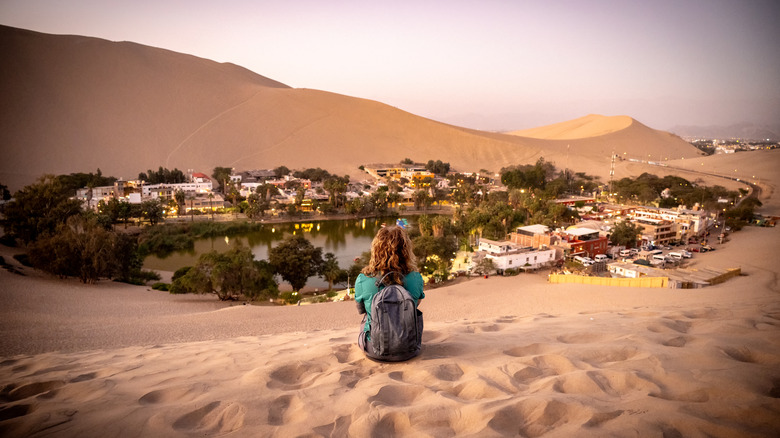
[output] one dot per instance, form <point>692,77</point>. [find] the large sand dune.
<point>73,104</point>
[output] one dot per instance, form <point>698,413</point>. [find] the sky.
<point>483,64</point>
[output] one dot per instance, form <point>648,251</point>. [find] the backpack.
<point>396,324</point>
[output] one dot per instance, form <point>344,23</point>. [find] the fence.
<point>606,281</point>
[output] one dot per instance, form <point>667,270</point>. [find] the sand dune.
<point>77,104</point>
<point>592,125</point>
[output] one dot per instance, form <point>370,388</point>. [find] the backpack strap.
<point>381,280</point>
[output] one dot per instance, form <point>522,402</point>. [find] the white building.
<point>507,255</point>
<point>689,222</point>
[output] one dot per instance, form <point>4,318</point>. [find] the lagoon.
<point>346,239</point>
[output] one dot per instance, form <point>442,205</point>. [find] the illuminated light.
<point>273,230</point>
<point>227,240</point>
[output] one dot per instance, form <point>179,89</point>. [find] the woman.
<point>391,253</point>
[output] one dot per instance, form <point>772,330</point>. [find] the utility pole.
<point>612,174</point>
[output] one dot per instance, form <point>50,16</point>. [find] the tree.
<point>38,209</point>
<point>421,199</point>
<point>331,270</point>
<point>229,275</point>
<point>438,167</point>
<point>4,193</point>
<point>485,266</point>
<point>295,259</point>
<point>162,176</point>
<point>83,248</point>
<point>281,171</point>
<point>152,210</point>
<point>336,187</point>
<point>434,253</point>
<point>222,175</point>
<point>180,198</point>
<point>625,233</point>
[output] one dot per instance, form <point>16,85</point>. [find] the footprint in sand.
<point>527,350</point>
<point>742,354</point>
<point>670,324</point>
<point>347,353</point>
<point>15,411</point>
<point>214,418</point>
<point>350,378</point>
<point>582,338</point>
<point>174,395</point>
<point>296,375</point>
<point>487,328</point>
<point>442,350</point>
<point>13,393</point>
<point>613,383</point>
<point>286,409</point>
<point>679,341</point>
<point>396,395</point>
<point>600,418</point>
<point>532,417</point>
<point>601,356</point>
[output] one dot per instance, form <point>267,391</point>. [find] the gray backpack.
<point>396,324</point>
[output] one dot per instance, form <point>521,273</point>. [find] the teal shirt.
<point>365,289</point>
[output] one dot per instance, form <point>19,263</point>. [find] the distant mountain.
<point>745,130</point>
<point>75,104</point>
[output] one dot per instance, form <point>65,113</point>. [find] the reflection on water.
<point>347,239</point>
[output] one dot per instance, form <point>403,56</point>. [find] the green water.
<point>346,239</point>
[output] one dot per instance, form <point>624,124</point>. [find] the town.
<point>570,223</point>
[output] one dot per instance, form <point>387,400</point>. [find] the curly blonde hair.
<point>391,250</point>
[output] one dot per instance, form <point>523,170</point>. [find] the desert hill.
<point>592,125</point>
<point>75,103</point>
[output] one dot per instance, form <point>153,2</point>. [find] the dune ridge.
<point>592,125</point>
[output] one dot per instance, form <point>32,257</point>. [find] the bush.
<point>24,259</point>
<point>181,272</point>
<point>8,240</point>
<point>290,297</point>
<point>511,272</point>
<point>161,286</point>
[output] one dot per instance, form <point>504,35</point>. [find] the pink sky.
<point>495,65</point>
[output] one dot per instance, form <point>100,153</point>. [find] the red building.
<point>583,241</point>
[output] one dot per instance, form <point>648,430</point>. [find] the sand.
<point>501,357</point>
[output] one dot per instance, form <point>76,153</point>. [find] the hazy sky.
<point>495,65</point>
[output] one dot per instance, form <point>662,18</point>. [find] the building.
<point>398,171</point>
<point>507,255</point>
<point>690,223</point>
<point>534,236</point>
<point>583,242</point>
<point>657,232</point>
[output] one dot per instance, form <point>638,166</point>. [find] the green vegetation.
<point>438,167</point>
<point>742,214</point>
<point>229,275</point>
<point>162,176</point>
<point>164,239</point>
<point>81,247</point>
<point>39,209</point>
<point>647,189</point>
<point>295,259</point>
<point>625,233</point>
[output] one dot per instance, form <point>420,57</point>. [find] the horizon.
<point>498,67</point>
